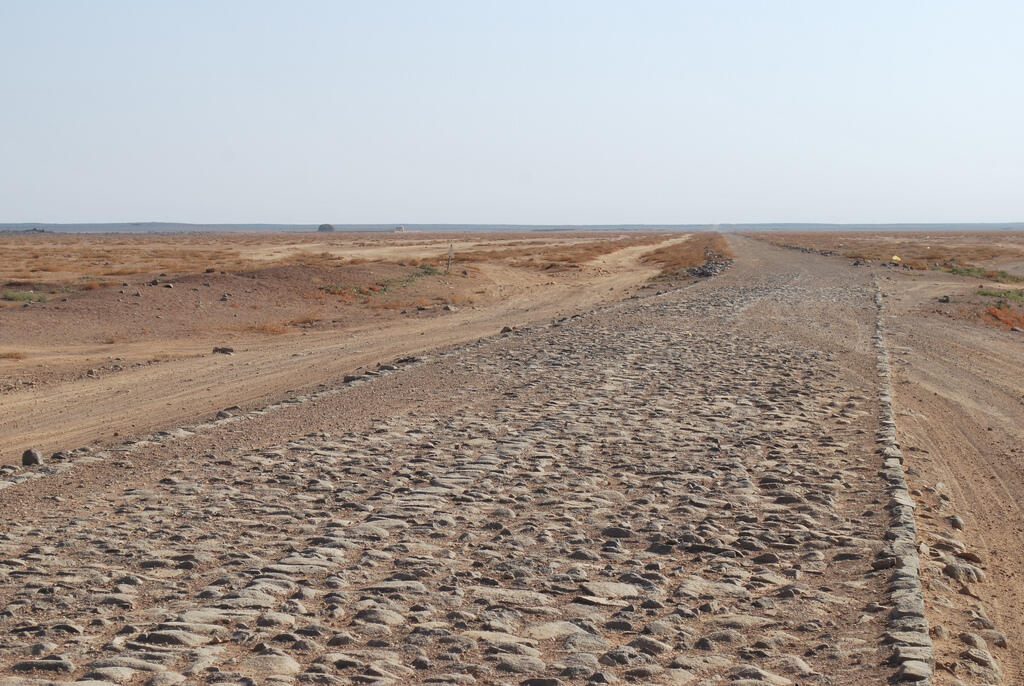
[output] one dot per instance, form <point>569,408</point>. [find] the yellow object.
<point>896,258</point>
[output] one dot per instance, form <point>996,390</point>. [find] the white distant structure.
<point>399,229</point>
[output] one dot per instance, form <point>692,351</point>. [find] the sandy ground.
<point>793,318</point>
<point>958,386</point>
<point>88,392</point>
<point>670,489</point>
<point>74,260</point>
<point>959,392</point>
<point>921,249</point>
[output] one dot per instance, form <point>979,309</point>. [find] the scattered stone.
<point>645,494</point>
<point>521,664</point>
<point>268,664</point>
<point>49,664</point>
<point>913,670</point>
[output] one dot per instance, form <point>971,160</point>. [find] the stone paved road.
<point>681,489</point>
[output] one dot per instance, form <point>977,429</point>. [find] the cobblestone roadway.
<point>662,495</point>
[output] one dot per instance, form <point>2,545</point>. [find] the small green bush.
<point>24,296</point>
<point>982,273</point>
<point>1011,294</point>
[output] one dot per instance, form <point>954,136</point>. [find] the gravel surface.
<point>690,488</point>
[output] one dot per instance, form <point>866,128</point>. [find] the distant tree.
<point>325,227</point>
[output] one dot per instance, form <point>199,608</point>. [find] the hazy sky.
<point>481,111</point>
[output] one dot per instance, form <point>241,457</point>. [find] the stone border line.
<point>912,649</point>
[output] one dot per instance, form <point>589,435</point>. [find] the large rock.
<point>31,457</point>
<point>268,664</point>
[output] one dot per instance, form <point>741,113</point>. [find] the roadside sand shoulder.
<point>959,395</point>
<point>190,382</point>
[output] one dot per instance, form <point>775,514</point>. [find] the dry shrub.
<point>691,252</point>
<point>13,356</point>
<point>1003,316</point>
<point>390,305</point>
<point>69,259</point>
<point>91,286</point>
<point>341,294</point>
<point>311,259</point>
<point>557,249</point>
<point>269,328</point>
<point>581,254</point>
<point>167,357</point>
<point>65,258</point>
<point>308,318</point>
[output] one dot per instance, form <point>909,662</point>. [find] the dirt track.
<point>676,489</point>
<point>138,400</point>
<point>960,391</point>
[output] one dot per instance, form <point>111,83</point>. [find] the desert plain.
<point>580,457</point>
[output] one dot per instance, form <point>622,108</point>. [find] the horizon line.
<point>40,224</point>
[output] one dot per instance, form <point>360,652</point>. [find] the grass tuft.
<point>982,273</point>
<point>24,296</point>
<point>1017,294</point>
<point>267,328</point>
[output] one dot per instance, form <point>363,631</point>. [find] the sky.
<point>521,111</point>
